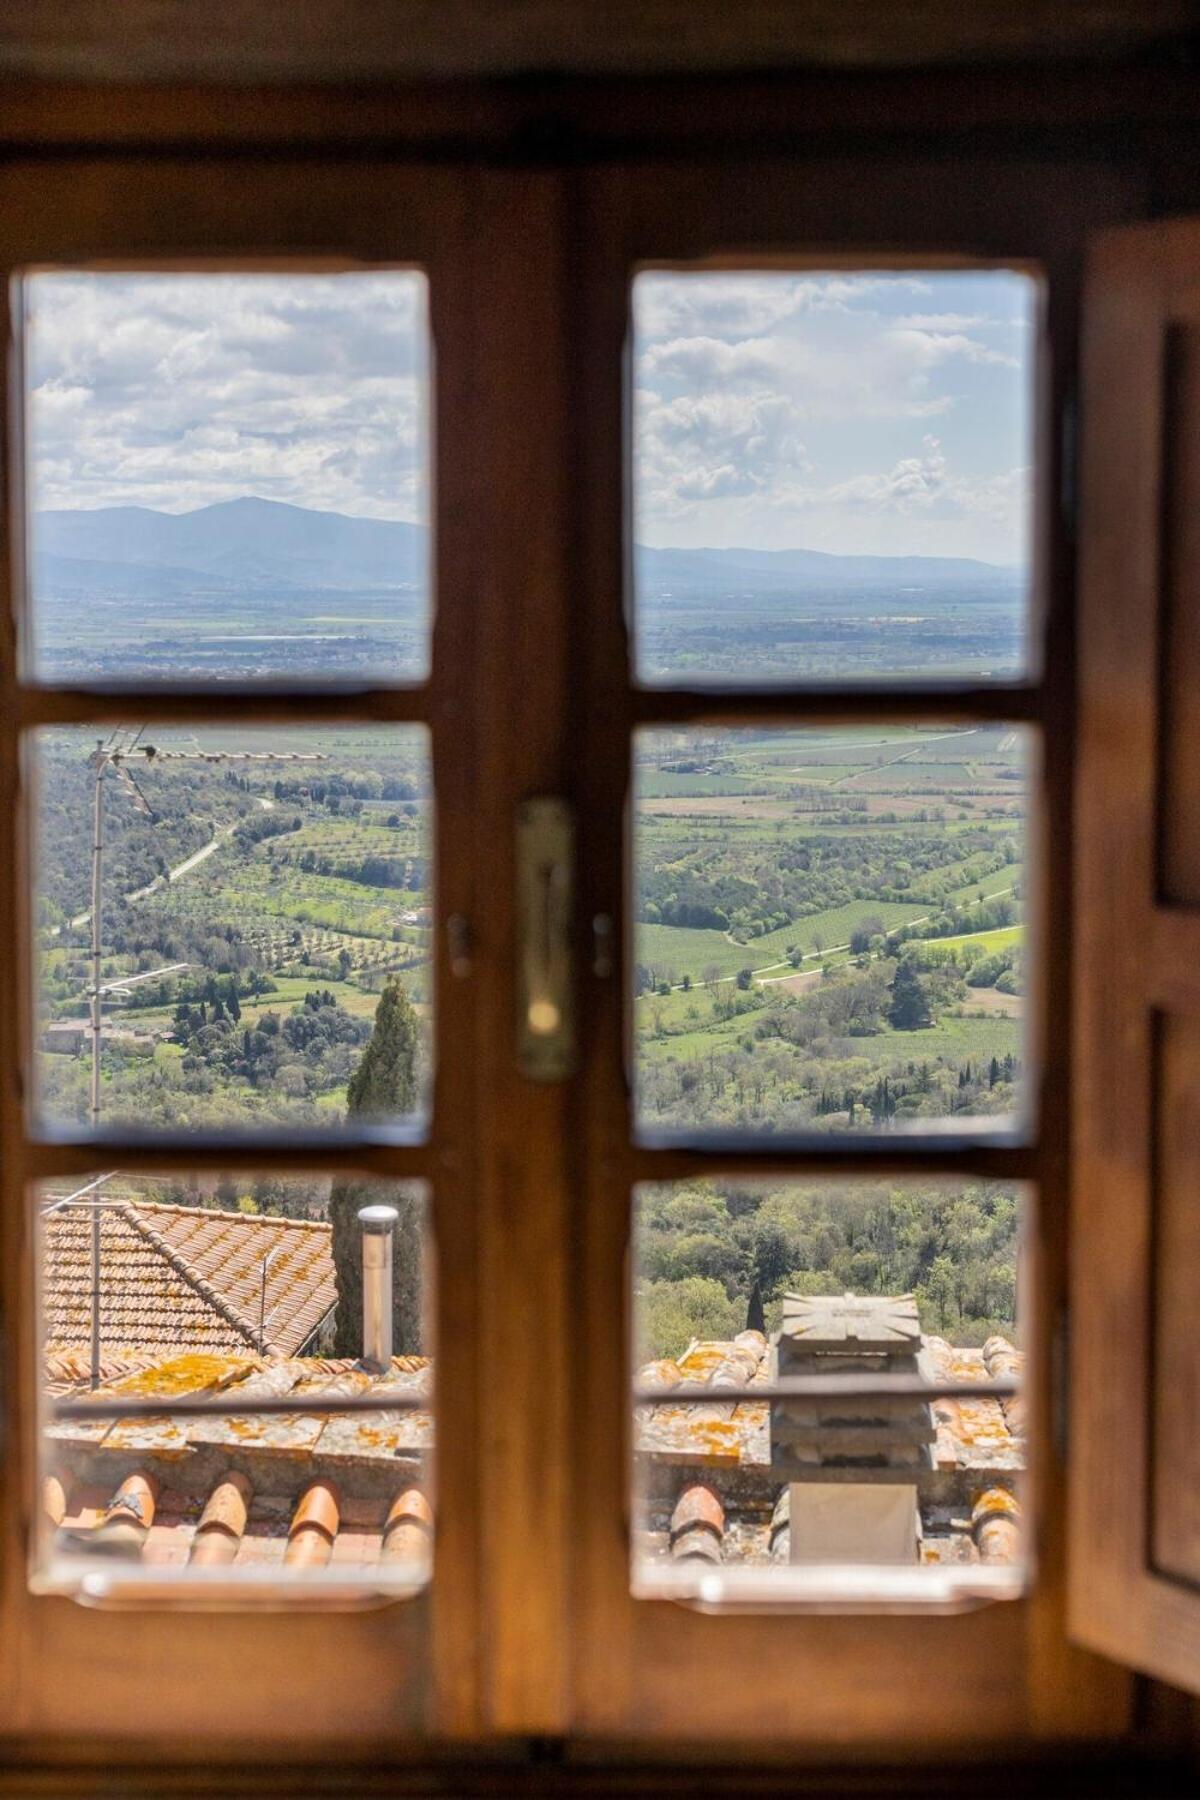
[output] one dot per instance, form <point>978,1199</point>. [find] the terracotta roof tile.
<point>234,1527</point>
<point>182,1277</point>
<point>970,1514</point>
<point>707,1433</point>
<point>348,1491</point>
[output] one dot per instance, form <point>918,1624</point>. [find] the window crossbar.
<point>831,1387</point>
<point>184,1406</point>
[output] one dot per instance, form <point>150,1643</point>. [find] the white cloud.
<point>947,321</point>
<point>927,349</point>
<point>766,397</point>
<point>706,360</point>
<point>926,483</point>
<point>716,419</point>
<point>741,304</point>
<point>177,390</point>
<point>714,445</point>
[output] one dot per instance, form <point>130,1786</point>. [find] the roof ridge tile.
<point>225,1212</point>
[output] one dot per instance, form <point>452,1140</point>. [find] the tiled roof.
<point>306,1490</point>
<point>314,1489</point>
<point>706,1468</point>
<point>184,1278</point>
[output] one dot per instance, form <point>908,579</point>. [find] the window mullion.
<point>796,704</point>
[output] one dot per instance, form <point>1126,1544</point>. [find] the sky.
<point>875,414</point>
<point>859,413</point>
<point>174,391</point>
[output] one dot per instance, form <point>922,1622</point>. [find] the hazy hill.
<point>790,573</point>
<point>236,543</point>
<point>268,546</point>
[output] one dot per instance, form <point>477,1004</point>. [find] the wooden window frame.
<point>407,1669</point>
<point>533,1634</point>
<point>1137,917</point>
<point>933,1679</point>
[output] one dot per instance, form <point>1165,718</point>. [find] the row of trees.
<point>308,1051</point>
<point>752,886</point>
<point>704,1249</point>
<point>797,1063</point>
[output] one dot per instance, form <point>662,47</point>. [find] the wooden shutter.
<point>1135,1337</point>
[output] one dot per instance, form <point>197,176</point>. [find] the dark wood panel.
<point>1179,577</point>
<point>523,1330</point>
<point>1175,1441</point>
<point>1150,105</point>
<point>345,40</point>
<point>1130,1435</point>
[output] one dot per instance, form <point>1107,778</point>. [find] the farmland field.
<point>817,960</point>
<point>262,903</point>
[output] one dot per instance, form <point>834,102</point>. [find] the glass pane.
<point>753,1284</point>
<point>263,932</point>
<point>228,476</point>
<point>251,1289</point>
<point>832,475</point>
<point>830,930</point>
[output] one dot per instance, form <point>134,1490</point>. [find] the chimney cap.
<point>380,1219</point>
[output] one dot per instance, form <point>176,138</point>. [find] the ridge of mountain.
<point>234,543</point>
<point>272,546</point>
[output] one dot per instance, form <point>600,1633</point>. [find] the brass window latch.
<point>545,922</point>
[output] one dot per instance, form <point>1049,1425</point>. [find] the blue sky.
<point>872,412</point>
<point>875,413</point>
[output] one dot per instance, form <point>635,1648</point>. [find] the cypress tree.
<point>756,1318</point>
<point>385,1082</point>
<point>910,1005</point>
<point>383,1085</point>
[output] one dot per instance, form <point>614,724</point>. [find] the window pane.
<point>752,1284</point>
<point>832,475</point>
<point>228,476</point>
<point>830,929</point>
<point>244,1287</point>
<point>264,927</point>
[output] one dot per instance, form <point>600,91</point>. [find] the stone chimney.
<point>851,1464</point>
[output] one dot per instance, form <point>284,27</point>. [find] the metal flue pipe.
<point>378,1234</point>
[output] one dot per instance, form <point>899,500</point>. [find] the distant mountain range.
<point>242,545</point>
<point>798,572</point>
<point>265,546</point>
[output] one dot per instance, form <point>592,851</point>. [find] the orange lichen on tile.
<point>223,1522</point>
<point>660,1375</point>
<point>196,1372</point>
<point>712,1431</point>
<point>995,1525</point>
<point>408,1529</point>
<point>973,1432</point>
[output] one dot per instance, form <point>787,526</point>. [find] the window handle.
<point>602,946</point>
<point>546,900</point>
<point>458,945</point>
